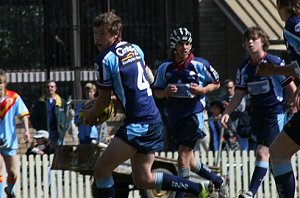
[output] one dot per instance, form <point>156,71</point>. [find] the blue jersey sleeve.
<point>160,80</point>
<point>206,72</point>
<point>21,108</point>
<point>105,70</point>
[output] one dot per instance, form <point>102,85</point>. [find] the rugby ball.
<point>103,115</point>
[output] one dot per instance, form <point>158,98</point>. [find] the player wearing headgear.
<point>180,34</point>
<point>184,80</point>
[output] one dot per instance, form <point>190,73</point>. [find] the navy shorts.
<point>143,137</point>
<point>265,127</point>
<point>292,128</point>
<point>187,131</point>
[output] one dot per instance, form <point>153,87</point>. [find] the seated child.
<point>40,144</point>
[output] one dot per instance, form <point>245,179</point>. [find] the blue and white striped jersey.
<point>122,69</point>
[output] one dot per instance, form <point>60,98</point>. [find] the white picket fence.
<point>35,176</point>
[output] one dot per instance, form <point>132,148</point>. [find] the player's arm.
<point>197,90</point>
<point>268,69</point>
<point>295,99</point>
<point>25,121</point>
<point>103,100</point>
<point>160,87</point>
<point>291,88</point>
<point>234,102</point>
<point>168,91</point>
<point>149,74</point>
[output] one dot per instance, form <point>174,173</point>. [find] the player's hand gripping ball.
<point>102,117</point>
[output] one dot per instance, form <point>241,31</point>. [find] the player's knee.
<point>263,153</point>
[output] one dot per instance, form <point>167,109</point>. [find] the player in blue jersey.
<point>11,106</point>
<point>280,153</point>
<point>120,68</point>
<point>266,95</point>
<point>184,80</point>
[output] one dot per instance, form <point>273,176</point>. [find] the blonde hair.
<point>90,86</point>
<point>2,76</point>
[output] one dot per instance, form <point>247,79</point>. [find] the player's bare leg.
<point>281,164</point>
<point>10,164</point>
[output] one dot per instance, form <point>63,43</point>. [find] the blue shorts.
<point>8,152</point>
<point>265,127</point>
<point>292,128</point>
<point>143,137</point>
<point>187,131</point>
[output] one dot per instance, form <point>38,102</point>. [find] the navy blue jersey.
<point>291,34</point>
<point>122,68</point>
<point>266,92</point>
<point>198,71</point>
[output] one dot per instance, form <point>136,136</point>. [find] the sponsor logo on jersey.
<point>127,54</point>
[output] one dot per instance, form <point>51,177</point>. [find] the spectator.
<point>216,108</point>
<point>244,128</point>
<point>49,114</point>
<point>40,145</point>
<point>226,138</point>
<point>11,106</point>
<point>234,116</point>
<point>86,133</point>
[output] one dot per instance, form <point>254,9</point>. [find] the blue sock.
<point>261,169</point>
<point>175,183</point>
<point>179,194</point>
<point>286,185</point>
<point>184,173</point>
<point>105,188</point>
<point>285,180</point>
<point>203,171</point>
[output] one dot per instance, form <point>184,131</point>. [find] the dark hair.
<point>228,81</point>
<point>219,104</point>
<point>50,81</point>
<point>257,32</point>
<point>291,6</point>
